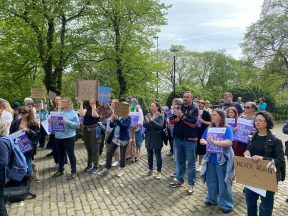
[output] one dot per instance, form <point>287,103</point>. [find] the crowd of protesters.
<point>184,126</point>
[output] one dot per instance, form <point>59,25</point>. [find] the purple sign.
<point>56,125</point>
<point>218,134</point>
<point>245,127</point>
<point>25,144</point>
<point>81,119</point>
<point>134,119</point>
<point>168,112</point>
<point>230,121</point>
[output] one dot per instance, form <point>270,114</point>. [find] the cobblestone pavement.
<point>132,194</point>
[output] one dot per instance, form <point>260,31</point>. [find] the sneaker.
<point>173,175</point>
<point>207,203</point>
<point>103,172</point>
<point>72,176</point>
<point>115,163</point>
<point>191,189</point>
<point>158,176</point>
<point>49,155</point>
<point>121,172</point>
<point>150,173</point>
<point>226,211</point>
<point>176,183</point>
<point>94,169</point>
<point>198,168</point>
<point>170,154</point>
<point>88,168</point>
<point>57,174</point>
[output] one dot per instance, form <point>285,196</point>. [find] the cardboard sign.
<point>218,134</point>
<point>122,109</point>
<point>37,93</point>
<point>245,128</point>
<point>87,89</point>
<point>52,95</point>
<point>104,111</point>
<point>25,144</point>
<point>104,94</point>
<point>255,174</point>
<point>56,126</point>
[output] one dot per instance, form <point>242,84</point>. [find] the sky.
<point>204,25</point>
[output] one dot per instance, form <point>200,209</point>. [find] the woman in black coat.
<point>153,137</point>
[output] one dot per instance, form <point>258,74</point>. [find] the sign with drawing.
<point>87,89</point>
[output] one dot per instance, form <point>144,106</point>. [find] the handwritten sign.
<point>104,111</point>
<point>255,174</point>
<point>87,89</point>
<point>56,125</point>
<point>134,119</point>
<point>122,109</point>
<point>245,127</point>
<point>218,134</point>
<point>52,95</point>
<point>104,94</point>
<point>230,121</point>
<point>37,93</point>
<point>23,141</point>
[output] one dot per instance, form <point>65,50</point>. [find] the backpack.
<point>17,166</point>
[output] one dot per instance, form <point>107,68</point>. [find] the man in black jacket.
<point>185,122</point>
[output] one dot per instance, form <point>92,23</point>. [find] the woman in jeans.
<point>264,146</point>
<point>121,137</point>
<point>27,123</point>
<point>153,137</point>
<point>65,140</point>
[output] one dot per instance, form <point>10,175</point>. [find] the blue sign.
<point>103,94</point>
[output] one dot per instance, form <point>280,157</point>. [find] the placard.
<point>122,109</point>
<point>37,93</point>
<point>56,125</point>
<point>255,174</point>
<point>230,121</point>
<point>20,137</point>
<point>245,127</point>
<point>168,111</point>
<point>104,111</point>
<point>52,95</point>
<point>134,119</point>
<point>87,89</point>
<point>104,94</point>
<point>45,125</point>
<point>217,133</point>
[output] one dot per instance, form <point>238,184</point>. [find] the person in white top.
<point>5,115</point>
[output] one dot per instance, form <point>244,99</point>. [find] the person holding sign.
<point>120,136</point>
<point>65,140</point>
<point>28,124</point>
<point>264,146</point>
<point>91,142</point>
<point>217,168</point>
<point>153,138</point>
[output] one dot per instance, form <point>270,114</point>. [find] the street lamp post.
<point>157,57</point>
<point>174,50</point>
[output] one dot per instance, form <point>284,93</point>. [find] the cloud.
<point>202,25</point>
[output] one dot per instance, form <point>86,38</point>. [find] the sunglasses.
<point>201,102</point>
<point>247,107</point>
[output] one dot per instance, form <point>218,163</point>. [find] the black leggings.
<point>109,155</point>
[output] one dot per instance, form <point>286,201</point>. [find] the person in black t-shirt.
<point>228,102</point>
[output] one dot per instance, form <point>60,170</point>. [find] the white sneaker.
<point>115,163</point>
<point>158,176</point>
<point>198,168</point>
<point>103,163</point>
<point>121,172</point>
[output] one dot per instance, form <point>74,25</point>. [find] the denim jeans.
<point>186,150</point>
<point>175,157</point>
<point>29,164</point>
<point>3,211</point>
<point>138,138</point>
<point>66,146</point>
<point>218,191</point>
<point>266,205</point>
<point>158,159</point>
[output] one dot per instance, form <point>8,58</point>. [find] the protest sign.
<point>45,125</point>
<point>122,109</point>
<point>245,127</point>
<point>218,134</point>
<point>56,125</point>
<point>87,89</point>
<point>255,174</point>
<point>168,111</point>
<point>230,121</point>
<point>134,119</point>
<point>104,94</point>
<point>37,93</point>
<point>52,95</point>
<point>23,141</point>
<point>104,111</point>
